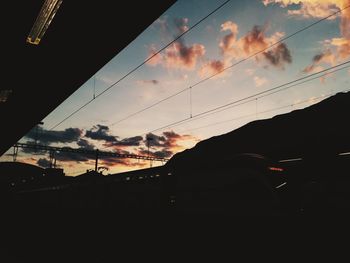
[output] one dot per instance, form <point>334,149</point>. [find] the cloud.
<point>165,145</point>
<point>151,81</point>
<point>154,140</point>
<point>309,8</point>
<point>229,40</point>
<point>44,163</point>
<point>73,157</point>
<point>325,57</point>
<point>340,46</point>
<point>212,68</point>
<point>84,144</point>
<point>164,153</point>
<point>121,163</point>
<point>162,24</point>
<point>253,42</point>
<point>181,24</point>
<point>156,58</point>
<point>260,81</point>
<point>127,142</point>
<point>167,140</point>
<point>178,55</point>
<point>47,137</point>
<point>100,132</point>
<point>278,56</point>
<point>343,46</point>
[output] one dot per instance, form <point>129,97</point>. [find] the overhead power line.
<point>228,67</point>
<point>262,112</point>
<point>257,95</point>
<point>143,63</point>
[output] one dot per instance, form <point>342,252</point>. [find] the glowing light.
<point>279,186</point>
<point>42,22</point>
<point>290,160</point>
<point>277,169</point>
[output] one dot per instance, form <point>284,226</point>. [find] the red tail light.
<point>276,169</point>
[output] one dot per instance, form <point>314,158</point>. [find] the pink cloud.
<point>181,24</point>
<point>155,58</point>
<point>324,57</point>
<point>178,55</point>
<point>253,42</point>
<point>148,81</point>
<point>212,68</point>
<point>340,46</point>
<point>260,81</point>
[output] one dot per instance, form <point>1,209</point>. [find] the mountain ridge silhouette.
<point>318,129</point>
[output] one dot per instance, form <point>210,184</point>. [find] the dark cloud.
<point>127,142</point>
<point>318,57</point>
<point>44,163</point>
<point>86,145</point>
<point>278,56</point>
<point>154,140</point>
<point>100,132</point>
<point>178,55</point>
<point>73,157</point>
<point>212,68</point>
<point>47,137</point>
<point>151,81</point>
<point>164,153</point>
<point>110,161</point>
<point>181,24</point>
<point>324,57</point>
<point>33,151</point>
<point>252,44</point>
<point>132,141</point>
<point>172,135</point>
<point>163,146</point>
<point>167,140</point>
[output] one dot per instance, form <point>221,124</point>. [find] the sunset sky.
<point>238,30</point>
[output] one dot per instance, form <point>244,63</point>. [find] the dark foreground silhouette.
<point>295,163</point>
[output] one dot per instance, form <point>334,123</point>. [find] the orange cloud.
<point>178,55</point>
<point>212,68</point>
<point>155,58</point>
<point>166,144</point>
<point>325,57</point>
<point>253,42</point>
<point>228,41</point>
<point>319,9</point>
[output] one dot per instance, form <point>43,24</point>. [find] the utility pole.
<point>37,132</point>
<point>15,153</point>
<point>96,160</point>
<point>149,155</point>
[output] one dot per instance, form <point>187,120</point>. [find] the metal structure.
<point>44,19</point>
<point>52,150</point>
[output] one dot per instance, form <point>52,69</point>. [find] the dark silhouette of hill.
<point>15,171</point>
<point>318,130</point>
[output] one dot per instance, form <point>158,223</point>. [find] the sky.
<point>238,37</point>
